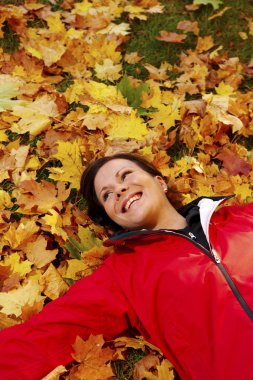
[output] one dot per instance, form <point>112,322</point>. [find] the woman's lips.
<point>130,200</point>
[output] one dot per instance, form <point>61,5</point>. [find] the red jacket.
<point>196,309</point>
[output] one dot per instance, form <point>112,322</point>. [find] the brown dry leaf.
<point>157,74</point>
<point>164,372</point>
<point>219,14</point>
<point>144,365</point>
<point>171,37</point>
<point>52,283</point>
<point>29,310</point>
<point>93,359</point>
<point>6,321</point>
<point>233,163</point>
<point>12,282</point>
<point>132,58</point>
<point>188,26</point>
<point>35,197</point>
<point>38,254</point>
<point>5,272</point>
<point>191,107</point>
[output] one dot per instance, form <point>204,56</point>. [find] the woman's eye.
<point>123,176</point>
<point>106,195</point>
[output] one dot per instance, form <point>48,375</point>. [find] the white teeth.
<point>131,200</point>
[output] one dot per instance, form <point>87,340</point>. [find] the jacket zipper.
<point>213,255</point>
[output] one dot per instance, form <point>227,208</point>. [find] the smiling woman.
<point>182,278</point>
<point>131,196</point>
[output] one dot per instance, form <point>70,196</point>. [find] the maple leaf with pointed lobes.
<point>14,300</point>
<point>108,71</point>
<point>39,197</point>
<point>126,126</point>
<point>166,115</point>
<point>16,236</point>
<point>70,156</point>
<point>93,358</point>
<point>233,163</point>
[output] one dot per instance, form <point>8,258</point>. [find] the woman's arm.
<point>92,305</point>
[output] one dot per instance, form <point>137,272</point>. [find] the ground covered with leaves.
<point>80,80</point>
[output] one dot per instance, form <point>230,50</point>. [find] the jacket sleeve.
<point>94,305</point>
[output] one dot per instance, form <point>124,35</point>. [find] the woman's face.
<point>131,197</point>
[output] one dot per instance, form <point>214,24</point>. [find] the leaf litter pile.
<point>66,99</point>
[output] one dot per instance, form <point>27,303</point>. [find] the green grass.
<point>124,368</point>
<point>224,31</point>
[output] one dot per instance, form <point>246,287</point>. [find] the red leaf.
<point>233,163</point>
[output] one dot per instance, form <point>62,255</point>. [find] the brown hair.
<point>95,210</point>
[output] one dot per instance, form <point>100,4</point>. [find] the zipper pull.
<point>192,236</point>
<point>216,256</point>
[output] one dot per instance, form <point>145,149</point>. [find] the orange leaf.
<point>171,37</point>
<point>93,358</point>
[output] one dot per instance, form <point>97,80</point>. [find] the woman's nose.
<point>120,189</point>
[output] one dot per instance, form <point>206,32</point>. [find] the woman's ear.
<point>162,183</point>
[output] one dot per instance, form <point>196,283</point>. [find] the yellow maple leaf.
<point>204,43</point>
<point>244,191</point>
<point>14,237</point>
<point>82,7</point>
<point>52,283</point>
<point>55,23</point>
<point>22,268</point>
<point>52,51</point>
<point>88,238</point>
<point>75,269</point>
<point>166,115</point>
<point>5,200</point>
<point>224,89</point>
<point>77,88</point>
<point>108,71</point>
<point>69,155</point>
<point>119,29</point>
<point>153,97</point>
<point>135,12</point>
<point>126,126</point>
<point>13,301</point>
<point>35,117</point>
<point>105,94</point>
<point>54,220</point>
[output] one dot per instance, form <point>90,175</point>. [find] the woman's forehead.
<point>111,168</point>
